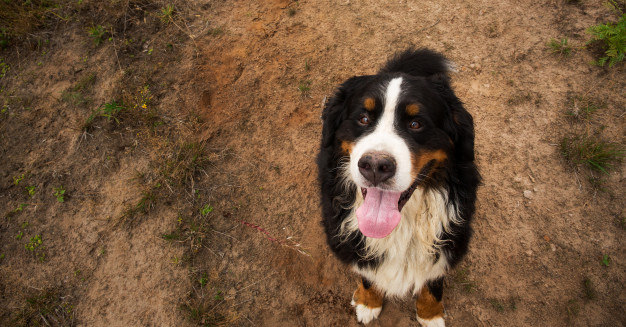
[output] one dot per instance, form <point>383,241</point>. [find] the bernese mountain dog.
<point>398,181</point>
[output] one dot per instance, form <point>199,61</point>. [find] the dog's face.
<point>399,132</point>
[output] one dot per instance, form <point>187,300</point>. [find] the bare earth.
<point>245,83</point>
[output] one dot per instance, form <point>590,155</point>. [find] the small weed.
<point>75,95</point>
<point>96,33</point>
<point>4,68</point>
<point>206,209</point>
<point>520,98</point>
<point>34,243</point>
<point>594,153</point>
<point>170,237</point>
<point>462,277</point>
<point>582,108</point>
<point>497,305</point>
<point>44,308</point>
<point>19,235</point>
<point>30,190</point>
<point>606,260</point>
<point>146,202</point>
<point>166,14</point>
<point>17,179</point>
<point>216,31</point>
<point>572,308</point>
<point>590,292</point>
<point>203,280</point>
<point>304,87</point>
<point>24,224</point>
<point>560,48</point>
<point>307,66</point>
<point>614,38</point>
<point>20,207</point>
<point>218,296</point>
<point>111,110</point>
<point>59,193</point>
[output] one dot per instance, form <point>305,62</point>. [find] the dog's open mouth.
<point>379,214</point>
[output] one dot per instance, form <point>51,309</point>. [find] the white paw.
<point>364,313</point>
<point>437,322</point>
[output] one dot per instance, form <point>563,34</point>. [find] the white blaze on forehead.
<point>385,138</point>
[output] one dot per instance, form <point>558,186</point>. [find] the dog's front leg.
<point>429,304</point>
<point>368,302</point>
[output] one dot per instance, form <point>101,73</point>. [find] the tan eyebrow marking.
<point>412,109</point>
<point>369,104</point>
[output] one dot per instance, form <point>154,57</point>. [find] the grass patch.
<point>75,95</point>
<point>582,108</point>
<point>96,33</point>
<point>591,152</point>
<point>304,87</point>
<point>589,291</point>
<point>59,193</point>
<point>47,308</point>
<point>613,37</point>
<point>560,48</point>
<point>461,277</point>
<point>166,14</point>
<point>497,305</point>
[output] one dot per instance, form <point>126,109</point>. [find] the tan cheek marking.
<point>420,160</point>
<point>368,297</point>
<point>369,104</point>
<point>427,306</point>
<point>412,109</point>
<point>346,147</point>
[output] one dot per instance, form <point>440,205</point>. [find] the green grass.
<point>17,179</point>
<point>606,260</point>
<point>589,291</point>
<point>206,209</point>
<point>304,87</point>
<point>560,48</point>
<point>461,277</point>
<point>96,33</point>
<point>47,308</point>
<point>497,305</point>
<point>166,14</point>
<point>591,152</point>
<point>75,95</point>
<point>4,68</point>
<point>59,193</point>
<point>613,37</point>
<point>582,107</point>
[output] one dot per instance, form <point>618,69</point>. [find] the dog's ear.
<point>336,109</point>
<point>459,125</point>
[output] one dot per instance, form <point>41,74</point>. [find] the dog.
<point>398,181</point>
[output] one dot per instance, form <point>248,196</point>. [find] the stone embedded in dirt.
<point>528,194</point>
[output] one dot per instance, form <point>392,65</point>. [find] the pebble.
<point>528,194</point>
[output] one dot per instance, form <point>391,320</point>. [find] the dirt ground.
<point>196,202</point>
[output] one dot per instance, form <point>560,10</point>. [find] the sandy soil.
<point>245,81</point>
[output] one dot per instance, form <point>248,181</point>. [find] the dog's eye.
<point>364,120</point>
<point>415,125</point>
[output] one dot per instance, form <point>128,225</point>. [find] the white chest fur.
<point>409,252</point>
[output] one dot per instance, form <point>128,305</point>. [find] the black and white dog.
<point>398,181</point>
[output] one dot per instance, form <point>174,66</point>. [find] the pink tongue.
<point>378,215</point>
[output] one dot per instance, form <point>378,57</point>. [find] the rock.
<point>528,194</point>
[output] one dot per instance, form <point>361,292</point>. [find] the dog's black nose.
<point>377,167</point>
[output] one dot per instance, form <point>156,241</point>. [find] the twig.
<point>428,27</point>
<point>115,50</point>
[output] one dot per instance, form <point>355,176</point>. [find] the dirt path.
<point>205,212</point>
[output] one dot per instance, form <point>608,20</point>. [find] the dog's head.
<point>400,129</point>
